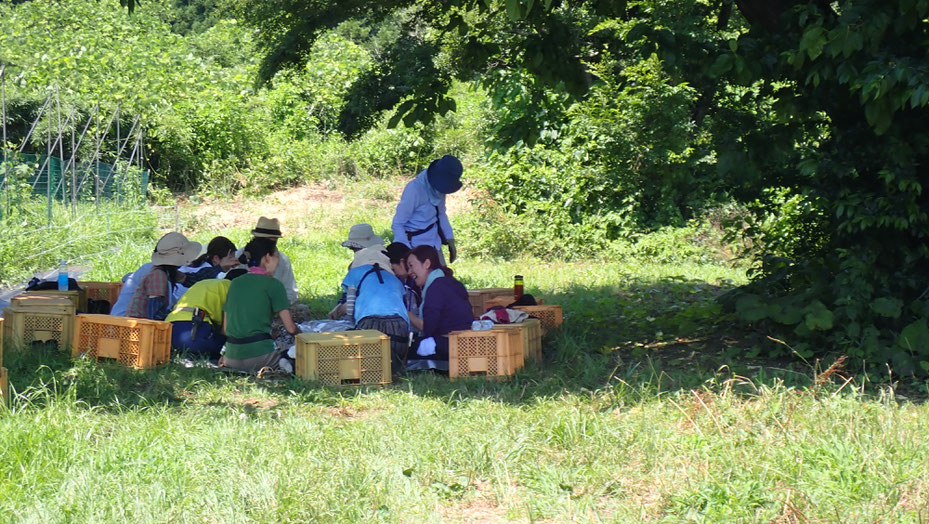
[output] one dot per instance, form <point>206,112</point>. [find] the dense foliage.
<point>611,116</point>
<point>189,74</point>
<point>583,123</point>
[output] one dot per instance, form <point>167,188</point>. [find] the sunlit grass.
<point>637,413</point>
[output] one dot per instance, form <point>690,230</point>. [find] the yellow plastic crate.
<point>478,297</point>
<point>550,315</point>
<point>39,318</point>
<point>5,386</point>
<point>108,291</point>
<point>530,334</point>
<point>134,342</point>
<point>78,297</point>
<point>494,353</point>
<point>339,358</point>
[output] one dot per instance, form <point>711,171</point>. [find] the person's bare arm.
<point>288,322</point>
<point>415,321</point>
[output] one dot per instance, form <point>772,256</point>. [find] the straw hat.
<point>175,250</point>
<point>444,174</point>
<point>370,256</point>
<point>361,236</point>
<point>267,228</point>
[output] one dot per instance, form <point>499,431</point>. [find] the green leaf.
<point>751,308</point>
<point>813,41</point>
<point>818,317</point>
<point>915,337</point>
<point>513,10</point>
<point>887,307</point>
<point>722,65</point>
<point>402,110</point>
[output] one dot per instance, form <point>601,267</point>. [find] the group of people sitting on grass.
<point>230,304</point>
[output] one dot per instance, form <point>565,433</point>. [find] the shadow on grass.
<point>644,336</point>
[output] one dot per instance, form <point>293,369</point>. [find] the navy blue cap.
<point>444,174</point>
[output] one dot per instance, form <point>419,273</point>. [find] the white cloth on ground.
<point>426,347</point>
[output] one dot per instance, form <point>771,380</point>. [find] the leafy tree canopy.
<point>811,112</point>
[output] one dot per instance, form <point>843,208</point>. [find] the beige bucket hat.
<point>372,255</point>
<point>361,236</point>
<point>174,249</point>
<point>267,228</point>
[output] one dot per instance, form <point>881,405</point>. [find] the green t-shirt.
<point>251,304</point>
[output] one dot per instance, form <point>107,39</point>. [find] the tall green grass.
<point>37,237</point>
<point>643,409</point>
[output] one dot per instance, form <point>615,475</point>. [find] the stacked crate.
<point>479,297</point>
<point>102,291</point>
<point>358,357</point>
<point>4,374</point>
<point>78,297</point>
<point>39,318</point>
<point>492,353</point>
<point>5,386</point>
<point>530,337</point>
<point>133,342</point>
<point>550,315</point>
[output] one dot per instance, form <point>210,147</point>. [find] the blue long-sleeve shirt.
<point>417,210</point>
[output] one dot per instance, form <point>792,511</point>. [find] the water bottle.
<point>482,325</point>
<point>62,276</point>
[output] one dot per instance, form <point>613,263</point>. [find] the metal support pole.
<point>49,148</point>
<point>48,102</point>
<point>6,168</point>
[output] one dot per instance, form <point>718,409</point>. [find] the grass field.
<point>645,408</point>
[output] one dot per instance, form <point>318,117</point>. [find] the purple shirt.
<point>446,309</point>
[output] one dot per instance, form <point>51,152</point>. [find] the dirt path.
<point>294,205</point>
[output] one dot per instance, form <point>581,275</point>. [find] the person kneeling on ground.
<point>251,304</point>
<point>444,308</point>
<point>197,319</point>
<point>153,297</point>
<point>218,259</point>
<point>379,301</point>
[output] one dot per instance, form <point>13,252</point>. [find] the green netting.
<point>97,179</point>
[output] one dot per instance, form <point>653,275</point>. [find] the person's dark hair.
<point>397,251</point>
<point>219,246</point>
<point>235,273</point>
<point>256,249</point>
<point>424,253</point>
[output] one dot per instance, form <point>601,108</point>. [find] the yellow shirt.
<point>208,295</point>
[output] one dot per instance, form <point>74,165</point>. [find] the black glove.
<point>452,252</point>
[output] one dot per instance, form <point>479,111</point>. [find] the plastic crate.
<point>530,334</point>
<point>339,358</point>
<point>134,342</point>
<point>504,301</point>
<point>493,353</point>
<point>100,291</point>
<point>501,301</point>
<point>78,297</point>
<point>39,318</point>
<point>5,386</point>
<point>550,315</point>
<point>478,297</point>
